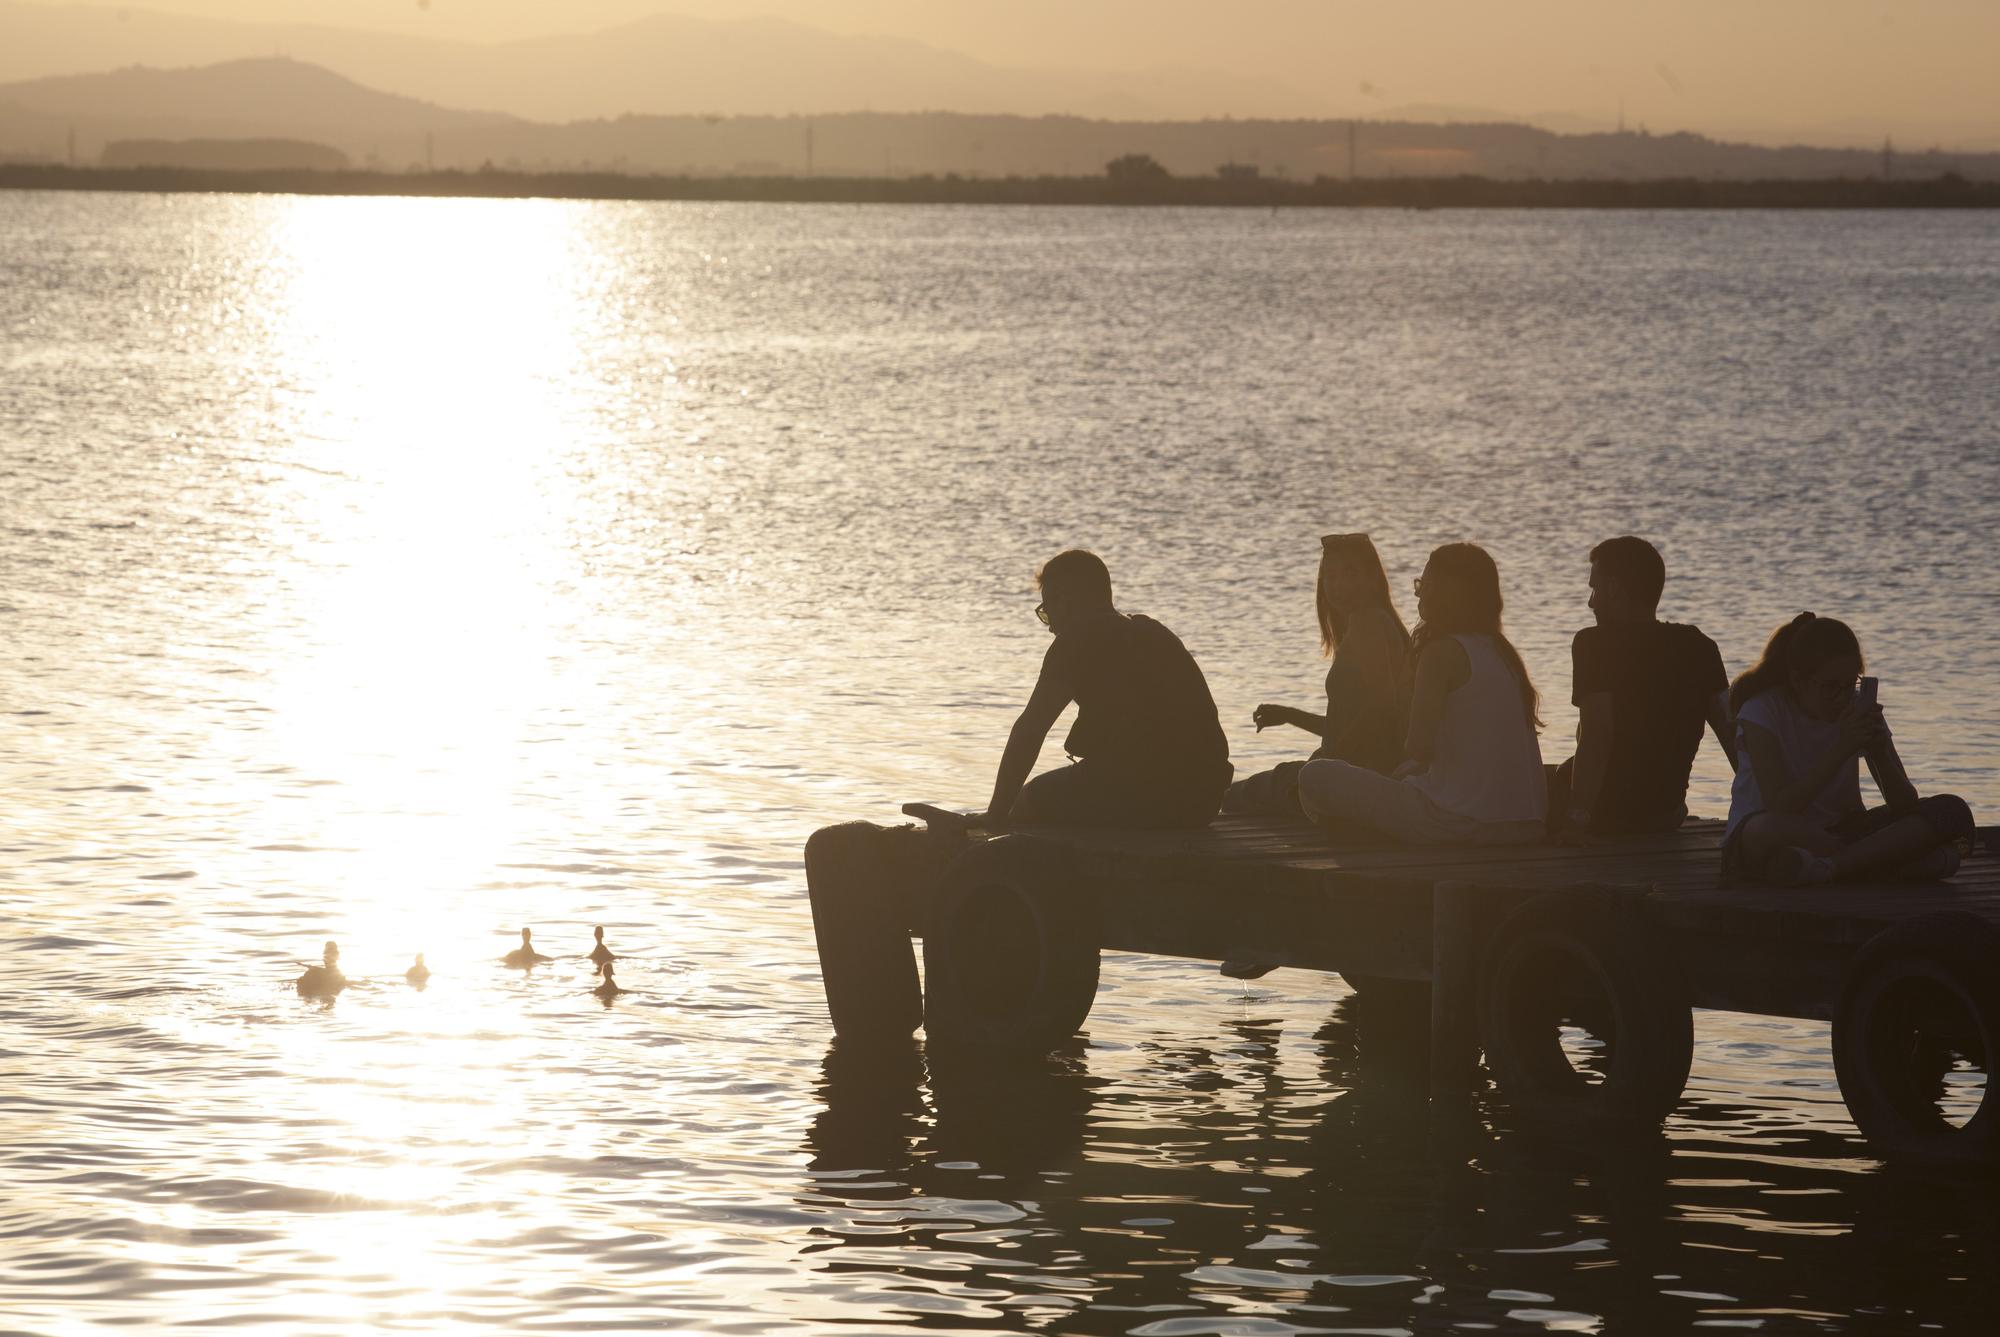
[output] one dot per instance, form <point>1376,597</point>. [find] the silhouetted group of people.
<point>1431,736</point>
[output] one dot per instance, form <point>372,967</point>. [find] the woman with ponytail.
<point>1472,772</point>
<point>1795,813</point>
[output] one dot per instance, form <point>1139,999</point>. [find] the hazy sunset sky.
<point>1825,70</point>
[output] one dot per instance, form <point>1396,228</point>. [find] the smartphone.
<point>1868,689</point>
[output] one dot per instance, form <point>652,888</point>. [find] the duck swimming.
<point>525,954</point>
<point>600,955</point>
<point>418,973</point>
<point>609,989</point>
<point>324,980</point>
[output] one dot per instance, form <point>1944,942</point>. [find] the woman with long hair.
<point>1472,772</point>
<point>1363,635</point>
<point>1804,718</point>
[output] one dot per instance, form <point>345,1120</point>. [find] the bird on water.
<point>418,973</point>
<point>600,955</point>
<point>323,980</point>
<point>525,954</point>
<point>609,989</point>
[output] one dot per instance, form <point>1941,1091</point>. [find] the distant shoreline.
<point>1948,191</point>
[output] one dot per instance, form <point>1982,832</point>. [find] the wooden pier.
<point>1574,969</point>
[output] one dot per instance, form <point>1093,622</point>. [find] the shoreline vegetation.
<point>1946,191</point>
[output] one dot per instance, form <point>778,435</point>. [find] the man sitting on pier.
<point>1643,688</point>
<point>1147,746</point>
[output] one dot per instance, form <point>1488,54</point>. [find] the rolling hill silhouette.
<point>665,64</point>
<point>271,98</point>
<point>274,95</point>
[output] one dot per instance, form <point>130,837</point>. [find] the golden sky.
<point>1825,71</point>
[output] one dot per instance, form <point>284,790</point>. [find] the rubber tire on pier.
<point>1943,969</point>
<point>1631,988</point>
<point>1010,950</point>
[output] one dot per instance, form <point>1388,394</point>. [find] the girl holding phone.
<point>1805,718</point>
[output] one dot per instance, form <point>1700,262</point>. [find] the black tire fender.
<point>1912,991</point>
<point>1582,958</point>
<point>1011,948</point>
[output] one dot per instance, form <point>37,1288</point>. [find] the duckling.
<point>600,955</point>
<point>609,989</point>
<point>525,954</point>
<point>324,980</point>
<point>418,973</point>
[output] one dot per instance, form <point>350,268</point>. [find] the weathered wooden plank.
<point>1283,891</point>
<point>1379,929</point>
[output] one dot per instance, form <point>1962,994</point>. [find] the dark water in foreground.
<point>405,571</point>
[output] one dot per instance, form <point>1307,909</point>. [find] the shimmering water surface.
<point>402,572</point>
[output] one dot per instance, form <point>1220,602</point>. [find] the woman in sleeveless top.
<point>1472,772</point>
<point>1367,685</point>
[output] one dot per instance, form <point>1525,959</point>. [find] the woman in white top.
<point>1795,812</point>
<point>1473,767</point>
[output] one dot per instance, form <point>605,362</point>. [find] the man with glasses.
<point>1147,748</point>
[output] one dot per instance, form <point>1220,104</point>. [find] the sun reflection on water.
<point>423,687</point>
<point>431,560</point>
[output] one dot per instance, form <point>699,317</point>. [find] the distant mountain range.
<point>665,64</point>
<point>282,99</point>
<point>256,99</point>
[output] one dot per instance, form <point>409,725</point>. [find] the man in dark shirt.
<point>1147,746</point>
<point>1643,689</point>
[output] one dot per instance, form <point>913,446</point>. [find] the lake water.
<point>404,572</point>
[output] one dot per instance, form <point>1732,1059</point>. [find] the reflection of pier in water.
<point>1219,1186</point>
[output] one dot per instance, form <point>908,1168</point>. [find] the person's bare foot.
<point>1934,866</point>
<point>1796,866</point>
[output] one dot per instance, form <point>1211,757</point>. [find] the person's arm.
<point>1441,670</point>
<point>1781,790</point>
<point>1724,723</point>
<point>1595,715</point>
<point>1266,716</point>
<point>1887,767</point>
<point>1024,742</point>
<point>1590,692</point>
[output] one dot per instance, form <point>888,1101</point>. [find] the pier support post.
<point>867,884</point>
<point>1457,927</point>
